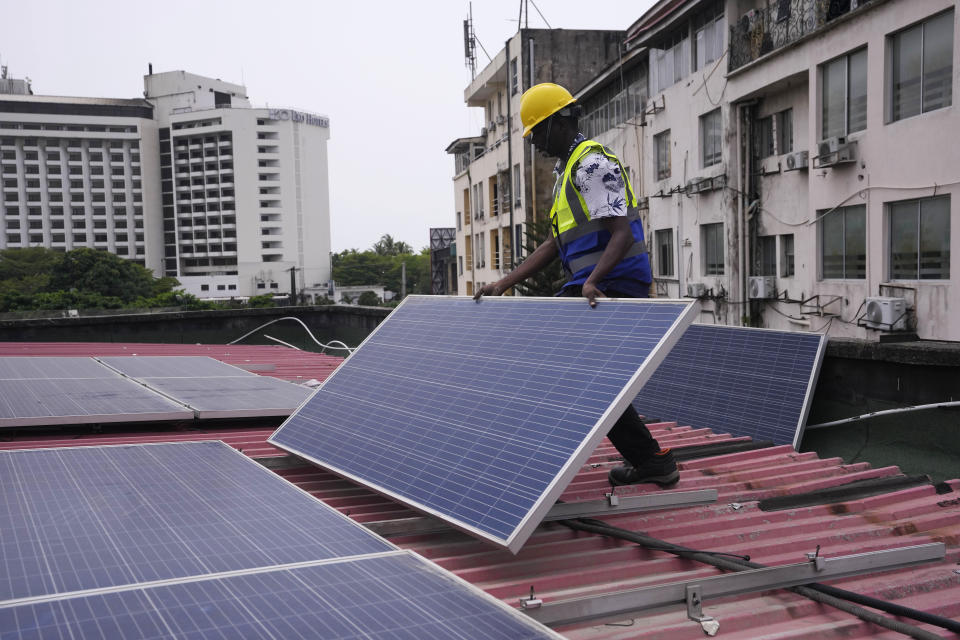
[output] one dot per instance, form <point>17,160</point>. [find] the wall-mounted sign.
<point>299,116</point>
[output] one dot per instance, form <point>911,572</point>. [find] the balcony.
<point>762,31</point>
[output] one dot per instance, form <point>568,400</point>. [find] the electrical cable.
<point>333,344</point>
<point>832,596</point>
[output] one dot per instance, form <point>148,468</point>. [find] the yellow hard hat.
<point>541,101</point>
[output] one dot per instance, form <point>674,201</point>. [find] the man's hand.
<point>591,293</point>
<point>492,289</point>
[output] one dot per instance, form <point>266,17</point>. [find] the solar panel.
<point>91,517</point>
<point>50,368</point>
<point>481,414</point>
<point>212,388</point>
<point>740,380</point>
<point>55,391</point>
<point>394,596</point>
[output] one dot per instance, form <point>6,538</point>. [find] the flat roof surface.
<point>883,511</point>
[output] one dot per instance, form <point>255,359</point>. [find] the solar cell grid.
<point>90,517</point>
<point>172,367</point>
<point>481,413</point>
<point>212,388</point>
<point>49,368</point>
<point>52,390</point>
<point>744,381</point>
<point>395,596</point>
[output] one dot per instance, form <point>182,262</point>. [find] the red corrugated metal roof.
<point>560,563</point>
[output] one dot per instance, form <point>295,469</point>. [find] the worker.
<point>599,237</point>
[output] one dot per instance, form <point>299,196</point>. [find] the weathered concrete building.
<point>796,160</point>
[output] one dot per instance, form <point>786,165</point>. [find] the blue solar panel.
<point>398,596</point>
<point>481,413</point>
<point>89,517</point>
<point>743,381</point>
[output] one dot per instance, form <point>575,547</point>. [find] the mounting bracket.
<point>626,603</point>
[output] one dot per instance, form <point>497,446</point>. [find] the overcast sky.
<point>390,76</point>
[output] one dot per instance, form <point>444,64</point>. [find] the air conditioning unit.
<point>836,150</point>
<point>761,288</point>
<point>492,125</point>
<point>797,160</point>
<point>885,313</point>
<point>643,202</point>
<point>696,290</point>
<point>501,119</point>
<point>483,131</point>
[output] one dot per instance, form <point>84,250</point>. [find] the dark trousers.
<point>629,434</point>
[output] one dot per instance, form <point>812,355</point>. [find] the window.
<point>712,238</point>
<point>663,240</point>
<point>920,75</point>
<point>786,256</point>
<point>844,95</point>
<point>481,255</point>
<point>494,249</point>
<point>710,138</point>
<point>469,252</point>
<point>505,251</point>
<point>843,243</point>
<point>708,39</point>
<point>661,146</point>
<point>669,63</point>
<point>920,239</point>
<point>514,78</point>
<point>767,255</point>
<point>774,134</point>
<point>518,240</point>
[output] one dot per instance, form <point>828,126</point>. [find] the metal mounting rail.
<point>692,593</point>
<point>614,504</point>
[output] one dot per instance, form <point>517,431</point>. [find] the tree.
<point>387,246</point>
<point>102,272</point>
<point>368,299</point>
<point>31,261</point>
<point>548,280</point>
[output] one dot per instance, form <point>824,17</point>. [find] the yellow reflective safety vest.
<point>581,240</point>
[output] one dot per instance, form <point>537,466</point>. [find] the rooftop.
<point>774,505</point>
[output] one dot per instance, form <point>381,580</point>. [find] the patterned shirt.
<point>599,181</point>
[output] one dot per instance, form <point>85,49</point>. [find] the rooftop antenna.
<point>470,44</point>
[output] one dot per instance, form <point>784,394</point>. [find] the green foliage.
<point>387,246</point>
<point>368,299</point>
<point>102,272</point>
<point>44,279</point>
<point>383,265</point>
<point>262,301</point>
<point>548,280</point>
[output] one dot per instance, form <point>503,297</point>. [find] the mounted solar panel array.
<point>738,380</point>
<point>212,388</point>
<point>58,391</point>
<point>482,413</point>
<point>193,540</point>
<point>52,391</point>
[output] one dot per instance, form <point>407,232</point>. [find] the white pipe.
<point>886,412</point>
<point>333,344</point>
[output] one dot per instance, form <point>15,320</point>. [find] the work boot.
<point>661,469</point>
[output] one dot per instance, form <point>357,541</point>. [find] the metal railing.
<point>760,31</point>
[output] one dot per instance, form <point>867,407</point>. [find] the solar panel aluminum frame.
<point>542,506</point>
<point>811,389</point>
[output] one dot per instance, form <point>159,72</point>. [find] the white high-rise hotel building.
<point>190,181</point>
